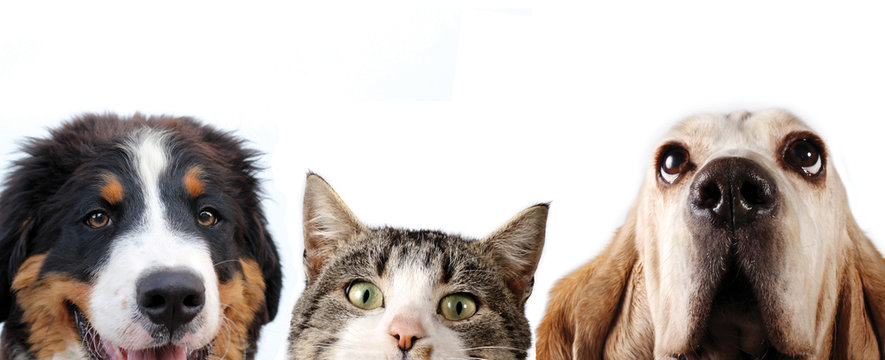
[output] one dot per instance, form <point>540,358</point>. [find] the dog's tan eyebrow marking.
<point>192,182</point>
<point>112,190</point>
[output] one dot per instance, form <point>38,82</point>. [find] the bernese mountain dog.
<point>135,238</point>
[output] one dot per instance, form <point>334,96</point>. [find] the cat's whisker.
<point>329,333</point>
<point>355,351</point>
<point>494,348</point>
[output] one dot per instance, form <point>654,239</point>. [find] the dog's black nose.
<point>732,193</point>
<point>170,297</point>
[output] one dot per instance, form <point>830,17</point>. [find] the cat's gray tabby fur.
<point>416,273</point>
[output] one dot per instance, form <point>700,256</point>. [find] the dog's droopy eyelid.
<point>804,153</point>
<point>673,162</point>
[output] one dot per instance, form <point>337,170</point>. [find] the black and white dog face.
<point>135,239</point>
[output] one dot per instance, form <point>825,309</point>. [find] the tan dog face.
<point>737,215</point>
<point>740,245</point>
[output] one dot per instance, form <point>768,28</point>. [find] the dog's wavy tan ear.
<point>583,305</point>
<point>860,324</point>
<point>328,223</point>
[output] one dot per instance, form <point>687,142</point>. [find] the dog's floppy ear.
<point>328,223</point>
<point>516,248</point>
<point>47,164</point>
<point>860,323</point>
<point>584,304</point>
<point>265,251</point>
<point>13,251</point>
<point>256,238</point>
<point>30,182</point>
<point>252,234</point>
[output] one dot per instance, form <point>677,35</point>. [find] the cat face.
<point>401,294</point>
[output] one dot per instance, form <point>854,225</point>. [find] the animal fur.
<point>801,281</point>
<point>146,182</point>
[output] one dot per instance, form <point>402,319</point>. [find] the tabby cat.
<point>386,293</point>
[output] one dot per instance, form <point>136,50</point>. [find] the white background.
<point>455,116</point>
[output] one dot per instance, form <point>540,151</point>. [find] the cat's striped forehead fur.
<point>414,270</point>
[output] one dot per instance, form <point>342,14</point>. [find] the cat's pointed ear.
<point>516,248</point>
<point>328,223</point>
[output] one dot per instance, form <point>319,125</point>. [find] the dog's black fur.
<point>45,200</point>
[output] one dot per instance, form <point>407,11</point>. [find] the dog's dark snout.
<point>171,298</point>
<point>732,193</point>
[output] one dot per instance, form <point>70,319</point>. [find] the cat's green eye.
<point>364,295</point>
<point>457,307</point>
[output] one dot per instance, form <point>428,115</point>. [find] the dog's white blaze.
<point>151,245</point>
<point>408,292</point>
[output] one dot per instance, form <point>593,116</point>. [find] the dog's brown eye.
<point>673,163</point>
<point>802,154</point>
<point>98,220</point>
<point>207,218</point>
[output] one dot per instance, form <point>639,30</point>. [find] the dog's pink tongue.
<point>114,352</point>
<point>168,352</point>
<point>172,352</point>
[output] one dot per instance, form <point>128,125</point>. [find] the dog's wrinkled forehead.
<point>708,136</point>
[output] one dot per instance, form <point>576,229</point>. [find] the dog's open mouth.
<point>100,349</point>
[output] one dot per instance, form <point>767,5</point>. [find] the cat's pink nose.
<point>406,331</point>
